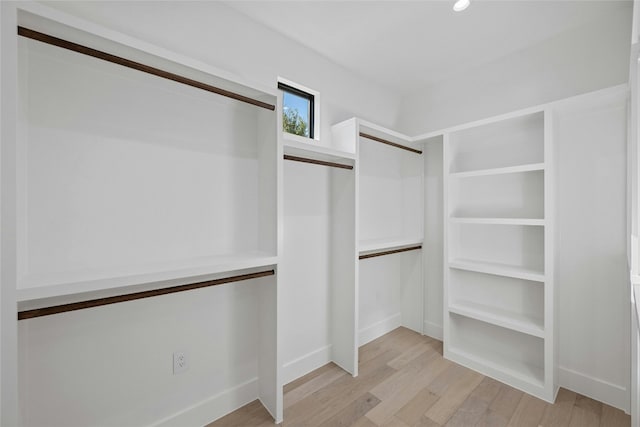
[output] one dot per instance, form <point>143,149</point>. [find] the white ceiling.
<point>406,45</point>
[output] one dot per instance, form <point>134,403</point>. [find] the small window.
<point>297,111</point>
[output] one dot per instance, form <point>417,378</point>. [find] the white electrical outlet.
<point>180,362</point>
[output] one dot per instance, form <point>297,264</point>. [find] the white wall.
<point>584,59</point>
<point>591,263</point>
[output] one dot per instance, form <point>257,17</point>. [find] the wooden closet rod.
<point>47,311</point>
<point>393,251</point>
<point>393,144</point>
<point>45,38</point>
<point>317,162</point>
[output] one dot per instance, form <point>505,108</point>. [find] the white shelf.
<point>521,375</point>
<point>498,221</point>
<point>497,269</point>
<point>507,319</point>
<point>68,283</point>
<point>499,171</point>
<point>376,245</point>
<point>314,150</point>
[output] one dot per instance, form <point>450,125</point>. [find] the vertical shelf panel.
<point>343,271</point>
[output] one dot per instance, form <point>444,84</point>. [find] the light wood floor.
<point>405,382</point>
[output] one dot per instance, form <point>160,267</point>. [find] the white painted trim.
<point>433,330</point>
<point>379,328</point>
<point>595,388</point>
<point>214,407</point>
<point>304,364</point>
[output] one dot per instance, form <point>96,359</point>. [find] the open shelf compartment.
<point>390,192</point>
<point>515,195</point>
<point>508,302</point>
<point>516,246</point>
<point>503,354</point>
<point>507,143</point>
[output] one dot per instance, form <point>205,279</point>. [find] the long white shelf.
<point>496,316</point>
<point>519,374</point>
<point>498,221</point>
<point>375,245</point>
<point>497,269</point>
<point>316,151</point>
<point>33,287</point>
<point>499,171</point>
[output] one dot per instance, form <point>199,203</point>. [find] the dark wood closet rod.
<point>317,162</point>
<point>393,251</point>
<point>45,38</point>
<point>393,144</point>
<point>47,311</point>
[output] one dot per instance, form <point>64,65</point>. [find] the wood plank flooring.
<point>405,382</point>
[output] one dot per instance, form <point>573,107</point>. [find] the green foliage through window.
<point>292,122</point>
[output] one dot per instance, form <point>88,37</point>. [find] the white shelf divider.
<point>499,171</point>
<point>69,283</point>
<point>498,221</point>
<point>499,317</point>
<point>497,269</point>
<point>314,150</point>
<point>376,245</point>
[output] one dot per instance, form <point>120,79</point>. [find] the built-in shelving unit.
<point>141,173</point>
<point>499,293</point>
<point>389,224</point>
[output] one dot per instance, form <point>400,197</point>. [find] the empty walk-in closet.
<point>319,213</point>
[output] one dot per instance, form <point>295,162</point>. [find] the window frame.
<point>286,87</point>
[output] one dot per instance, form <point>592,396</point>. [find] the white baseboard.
<point>208,410</point>
<point>305,364</point>
<point>379,328</point>
<point>432,330</point>
<point>595,388</point>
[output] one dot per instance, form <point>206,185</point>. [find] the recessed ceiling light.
<point>461,5</point>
